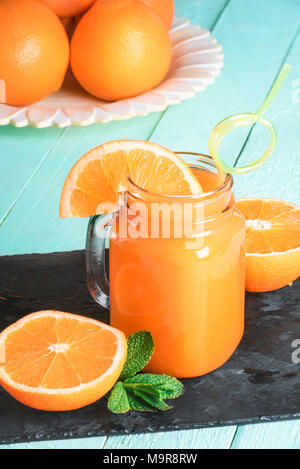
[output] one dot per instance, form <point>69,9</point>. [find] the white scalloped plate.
<point>196,61</point>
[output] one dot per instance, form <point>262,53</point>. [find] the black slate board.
<point>258,384</point>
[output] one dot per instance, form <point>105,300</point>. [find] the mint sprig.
<point>168,386</point>
<point>142,392</point>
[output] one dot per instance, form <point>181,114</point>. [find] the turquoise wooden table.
<point>258,36</point>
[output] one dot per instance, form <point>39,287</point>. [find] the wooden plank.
<point>280,435</point>
<point>206,13</point>
<point>22,151</point>
<point>77,443</point>
<point>211,438</point>
<point>284,164</point>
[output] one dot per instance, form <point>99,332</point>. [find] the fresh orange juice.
<point>189,290</point>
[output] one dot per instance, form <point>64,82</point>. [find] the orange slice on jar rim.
<point>101,175</point>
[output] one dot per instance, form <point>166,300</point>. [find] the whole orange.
<point>164,8</point>
<point>68,8</point>
<point>34,52</point>
<point>120,49</point>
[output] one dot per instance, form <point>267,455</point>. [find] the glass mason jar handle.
<point>97,281</point>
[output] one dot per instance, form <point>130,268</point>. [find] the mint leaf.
<point>147,393</point>
<point>140,349</point>
<point>138,404</point>
<point>118,400</point>
<point>146,388</point>
<point>154,401</point>
<point>168,386</point>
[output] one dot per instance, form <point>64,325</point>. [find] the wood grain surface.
<point>257,36</point>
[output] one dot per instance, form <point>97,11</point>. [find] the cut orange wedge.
<point>101,175</point>
<point>272,243</point>
<point>60,361</point>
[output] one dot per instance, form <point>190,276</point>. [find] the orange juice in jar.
<point>181,277</point>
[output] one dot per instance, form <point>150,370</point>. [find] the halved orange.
<point>101,175</point>
<point>60,361</point>
<point>272,243</point>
